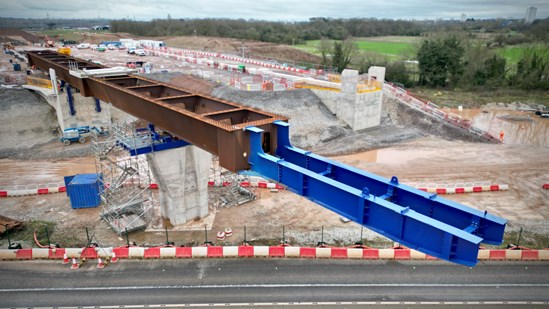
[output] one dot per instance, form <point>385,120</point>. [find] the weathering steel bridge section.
<point>246,138</point>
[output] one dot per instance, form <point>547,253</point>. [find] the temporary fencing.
<point>23,190</point>
<point>432,110</point>
<point>458,188</point>
<point>245,251</point>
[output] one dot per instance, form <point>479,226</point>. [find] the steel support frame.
<point>70,100</point>
<point>427,223</point>
<point>97,105</point>
<point>214,125</point>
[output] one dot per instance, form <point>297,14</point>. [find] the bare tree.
<point>325,48</point>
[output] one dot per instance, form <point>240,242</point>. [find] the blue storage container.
<point>67,180</point>
<point>83,191</point>
<point>16,67</point>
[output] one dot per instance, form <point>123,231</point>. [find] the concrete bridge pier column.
<point>182,177</point>
<point>361,109</point>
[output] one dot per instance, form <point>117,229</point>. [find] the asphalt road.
<point>274,282</point>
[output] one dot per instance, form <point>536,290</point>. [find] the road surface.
<point>249,282</point>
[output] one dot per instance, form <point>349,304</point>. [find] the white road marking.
<point>343,303</point>
<point>269,286</point>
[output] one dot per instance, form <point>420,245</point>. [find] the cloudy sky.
<point>279,10</point>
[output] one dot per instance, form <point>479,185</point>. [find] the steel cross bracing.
<point>214,125</point>
<point>245,138</point>
<point>419,220</point>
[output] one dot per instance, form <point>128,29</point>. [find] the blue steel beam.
<point>418,220</point>
<point>97,105</point>
<point>70,100</point>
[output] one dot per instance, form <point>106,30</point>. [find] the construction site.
<point>160,179</point>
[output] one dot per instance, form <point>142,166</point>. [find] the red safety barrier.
<point>460,190</point>
<point>306,252</point>
<point>370,254</point>
<point>494,188</point>
<point>153,186</point>
<point>89,253</point>
<point>184,252</point>
<point>245,184</point>
<point>63,189</point>
<point>262,185</point>
<point>215,251</point>
<point>430,257</point>
<point>43,190</point>
<point>339,253</point>
<point>497,255</point>
<point>530,255</point>
<point>122,252</point>
<point>422,189</point>
<point>477,189</point>
<point>402,254</point>
<point>546,186</point>
<point>245,251</point>
<point>56,253</point>
<point>3,193</point>
<point>152,253</point>
<point>23,254</point>
<point>276,252</point>
<point>441,191</point>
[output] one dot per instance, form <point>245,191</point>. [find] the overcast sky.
<point>278,10</point>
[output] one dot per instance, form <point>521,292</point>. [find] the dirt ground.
<point>432,160</point>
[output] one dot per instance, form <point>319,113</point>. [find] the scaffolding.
<point>125,179</point>
<point>225,189</point>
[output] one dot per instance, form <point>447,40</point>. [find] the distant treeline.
<point>267,31</point>
<point>319,27</point>
<point>49,23</point>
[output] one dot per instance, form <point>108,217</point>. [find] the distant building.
<point>463,18</point>
<point>530,15</point>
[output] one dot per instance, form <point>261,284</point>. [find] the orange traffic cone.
<point>65,259</point>
<point>114,259</point>
<point>100,263</point>
<point>75,264</point>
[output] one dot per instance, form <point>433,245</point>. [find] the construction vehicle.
<point>64,50</point>
<point>79,134</point>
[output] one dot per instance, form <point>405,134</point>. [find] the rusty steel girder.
<point>214,125</point>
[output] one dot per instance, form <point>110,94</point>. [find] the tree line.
<point>330,28</point>
<point>267,31</point>
<point>454,61</point>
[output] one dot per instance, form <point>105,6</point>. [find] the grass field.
<point>391,46</point>
<point>70,34</point>
<point>512,53</point>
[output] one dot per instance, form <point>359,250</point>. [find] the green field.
<point>512,53</point>
<point>69,34</point>
<point>391,46</point>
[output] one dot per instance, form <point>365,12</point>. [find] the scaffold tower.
<point>127,202</point>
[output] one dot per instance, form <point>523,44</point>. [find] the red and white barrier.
<point>13,191</point>
<point>264,252</point>
<point>31,190</point>
<point>471,187</point>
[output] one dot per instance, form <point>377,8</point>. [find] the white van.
<point>83,46</point>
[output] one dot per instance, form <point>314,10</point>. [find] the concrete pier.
<point>182,177</point>
<point>359,108</point>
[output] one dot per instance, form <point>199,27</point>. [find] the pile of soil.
<point>26,121</point>
<point>254,49</point>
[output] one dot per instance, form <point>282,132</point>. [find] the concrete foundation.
<point>360,110</point>
<point>182,177</point>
